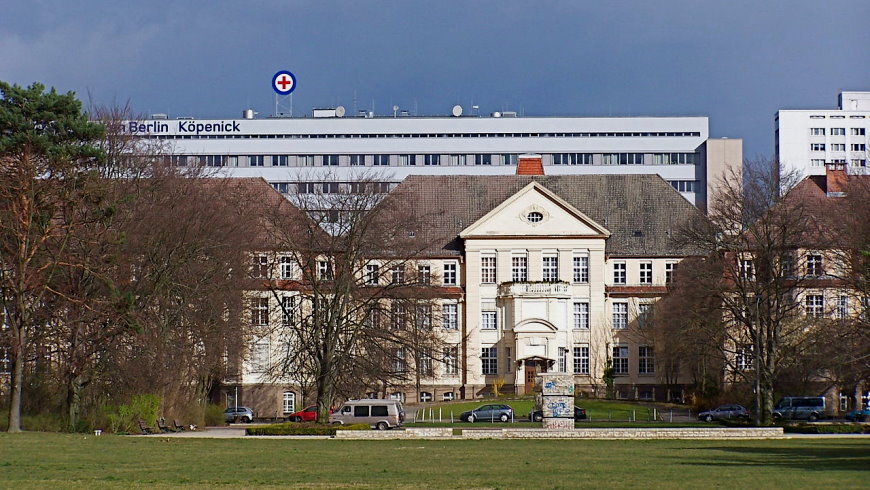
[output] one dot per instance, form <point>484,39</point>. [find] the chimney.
<point>836,179</point>
<point>530,165</point>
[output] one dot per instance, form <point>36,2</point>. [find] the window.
<point>673,158</point>
<point>563,359</point>
<point>289,402</point>
<point>425,367</point>
<point>256,160</point>
<point>817,131</point>
<point>212,160</point>
<point>814,265</point>
<point>509,159</point>
<point>457,159</point>
<point>684,185</point>
<point>372,275</point>
<point>581,269</point>
<point>646,360</point>
<point>817,147</point>
<point>330,187</point>
<point>646,272</point>
<point>519,268</point>
<point>259,266</point>
<point>670,267</point>
<point>451,360</point>
<point>423,317</point>
<point>449,278</point>
<point>431,160</point>
<point>399,316</point>
<point>859,131</point>
<point>424,274</point>
<point>305,160</point>
<point>260,355</point>
<point>817,162</point>
<point>859,147</point>
<point>619,273</point>
<point>324,270</point>
<point>357,160</point>
<point>743,358</point>
<point>483,159</point>
<point>815,305</point>
<point>620,315</point>
<point>842,307</point>
<point>581,315</point>
<point>489,360</point>
<point>407,160</point>
<point>581,359</point>
<point>630,158</point>
<point>288,310</point>
<point>397,361</point>
<point>859,162</point>
<point>488,320</point>
<point>449,316</point>
<point>487,269</point>
<point>397,273</point>
<point>425,396</point>
<point>447,396</point>
<point>745,269</point>
<point>382,160</point>
<point>572,159</point>
<point>620,360</point>
<point>550,271</point>
<point>838,147</point>
<point>644,310</point>
<point>838,131</point>
<point>534,217</point>
<point>259,311</point>
<point>286,267</point>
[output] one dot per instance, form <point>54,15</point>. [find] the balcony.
<point>534,290</point>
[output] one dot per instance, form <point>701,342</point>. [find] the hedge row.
<point>301,429</point>
<point>827,429</point>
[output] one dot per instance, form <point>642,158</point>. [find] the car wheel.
<point>295,419</point>
<point>382,426</point>
<point>246,420</point>
<point>812,418</point>
<point>538,417</point>
<point>708,418</point>
<point>471,418</point>
<point>504,417</point>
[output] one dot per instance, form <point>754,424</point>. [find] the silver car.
<point>244,414</point>
<point>725,412</point>
<point>488,413</point>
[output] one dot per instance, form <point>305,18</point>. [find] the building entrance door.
<point>532,368</point>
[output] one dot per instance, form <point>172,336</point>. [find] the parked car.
<point>307,414</point>
<point>379,414</point>
<point>538,415</point>
<point>486,413</point>
<point>244,414</point>
<point>725,412</point>
<point>859,415</point>
<point>811,408</point>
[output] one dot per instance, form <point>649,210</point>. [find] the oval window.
<point>534,217</point>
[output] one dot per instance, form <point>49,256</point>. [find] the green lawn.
<point>41,460</point>
<point>597,410</point>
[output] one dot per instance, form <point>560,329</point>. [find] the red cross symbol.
<point>284,81</point>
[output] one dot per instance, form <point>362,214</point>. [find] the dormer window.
<point>534,217</point>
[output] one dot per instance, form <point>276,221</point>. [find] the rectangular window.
<point>814,265</point>
<point>382,160</point>
<point>817,162</point>
<point>519,268</point>
<point>859,147</point>
<point>859,131</point>
<point>488,320</point>
<point>620,315</point>
<point>260,355</point>
<point>489,360</point>
<point>817,147</point>
<point>644,310</point>
<point>424,274</point>
<point>256,160</point>
<point>838,131</point>
<point>684,185</point>
<point>646,273</point>
<point>280,160</point>
<point>815,305</point>
<point>817,131</point>
<point>397,274</point>
<point>619,273</point>
<point>457,160</point>
<point>432,160</point>
<point>372,274</point>
<point>673,158</point>
<point>859,162</point>
<point>842,307</point>
<point>581,359</point>
<point>620,360</point>
<point>509,159</point>
<point>563,359</point>
<point>399,316</point>
<point>426,363</point>
<point>259,266</point>
<point>581,269</point>
<point>288,310</point>
<point>550,271</point>
<point>286,267</point>
<point>670,267</point>
<point>631,158</point>
<point>397,361</point>
<point>259,311</point>
<point>487,269</point>
<point>745,269</point>
<point>838,147</point>
<point>373,319</point>
<point>572,159</point>
<point>330,160</point>
<point>744,360</point>
<point>305,160</point>
<point>508,362</point>
<point>423,317</point>
<point>357,160</point>
<point>581,315</point>
<point>407,160</point>
<point>449,278</point>
<point>324,270</point>
<point>450,316</point>
<point>646,360</point>
<point>483,159</point>
<point>451,360</point>
<point>216,161</point>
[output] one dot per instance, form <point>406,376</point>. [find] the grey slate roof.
<point>642,212</point>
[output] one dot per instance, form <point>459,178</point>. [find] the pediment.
<point>534,211</point>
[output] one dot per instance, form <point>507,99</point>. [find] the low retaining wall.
<point>615,433</point>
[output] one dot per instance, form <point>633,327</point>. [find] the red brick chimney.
<point>530,165</point>
<point>836,179</point>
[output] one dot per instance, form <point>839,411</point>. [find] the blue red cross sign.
<point>284,82</point>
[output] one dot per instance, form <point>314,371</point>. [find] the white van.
<point>380,414</point>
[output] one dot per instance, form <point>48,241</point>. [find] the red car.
<point>308,414</point>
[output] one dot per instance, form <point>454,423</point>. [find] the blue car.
<point>859,415</point>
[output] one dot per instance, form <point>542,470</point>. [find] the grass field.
<point>597,410</point>
<point>42,460</point>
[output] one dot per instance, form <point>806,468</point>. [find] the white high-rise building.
<point>807,139</point>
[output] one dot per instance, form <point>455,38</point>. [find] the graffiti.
<point>558,424</point>
<point>559,409</point>
<point>549,385</point>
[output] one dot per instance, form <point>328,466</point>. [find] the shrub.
<point>301,429</point>
<point>827,429</point>
<point>214,415</point>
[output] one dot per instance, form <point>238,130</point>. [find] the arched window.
<point>289,400</point>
